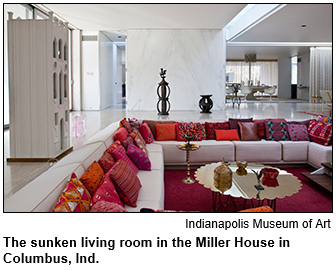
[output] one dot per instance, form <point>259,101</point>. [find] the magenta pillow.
<point>298,132</point>
<point>320,133</point>
<point>104,206</point>
<point>106,192</point>
<point>121,134</point>
<point>139,157</point>
<point>276,130</point>
<point>127,142</point>
<point>120,153</point>
<point>146,133</point>
<point>126,182</point>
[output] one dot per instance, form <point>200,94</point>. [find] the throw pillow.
<point>124,123</point>
<point>233,122</point>
<point>189,129</point>
<point>92,177</point>
<point>276,131</point>
<point>261,126</point>
<point>165,132</point>
<point>152,123</point>
<point>227,135</point>
<point>211,127</point>
<point>127,142</point>
<point>248,131</point>
<point>203,131</point>
<point>106,192</point>
<point>74,198</point>
<point>146,133</point>
<point>320,133</point>
<point>121,134</point>
<point>138,140</point>
<point>120,153</point>
<point>258,209</point>
<point>103,206</point>
<point>298,132</point>
<point>126,182</point>
<point>139,157</point>
<point>134,123</point>
<point>325,119</point>
<point>106,161</point>
<point>113,146</point>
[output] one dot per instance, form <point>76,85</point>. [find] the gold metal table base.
<point>188,147</point>
<point>188,180</point>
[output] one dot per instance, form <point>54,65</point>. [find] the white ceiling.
<point>282,26</point>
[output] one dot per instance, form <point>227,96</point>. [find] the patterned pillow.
<point>189,129</point>
<point>127,142</point>
<point>113,146</point>
<point>211,127</point>
<point>126,182</point>
<point>74,198</point>
<point>261,126</point>
<point>165,132</point>
<point>152,123</point>
<point>121,134</point>
<point>124,123</point>
<point>106,192</point>
<point>227,135</point>
<point>138,140</point>
<point>139,157</point>
<point>92,177</point>
<point>146,133</point>
<point>203,131</point>
<point>276,131</point>
<point>298,132</point>
<point>325,119</point>
<point>120,153</point>
<point>320,133</point>
<point>134,123</point>
<point>106,161</point>
<point>103,206</point>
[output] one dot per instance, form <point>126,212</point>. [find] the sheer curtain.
<point>320,69</point>
<point>263,72</point>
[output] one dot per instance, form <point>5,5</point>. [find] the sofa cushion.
<point>276,130</point>
<point>188,129</point>
<point>75,197</point>
<point>255,151</point>
<point>126,182</point>
<point>227,135</point>
<point>152,123</point>
<point>146,133</point>
<point>318,154</point>
<point>106,161</point>
<point>248,131</point>
<point>105,206</point>
<point>295,151</point>
<point>106,191</point>
<point>139,157</point>
<point>92,177</point>
<point>120,134</point>
<point>298,132</point>
<point>165,132</point>
<point>211,127</point>
<point>320,133</point>
<point>120,153</point>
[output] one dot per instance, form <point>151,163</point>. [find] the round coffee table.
<point>244,186</point>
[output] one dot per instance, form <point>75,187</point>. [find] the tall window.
<point>24,12</point>
<point>265,72</point>
<point>294,76</point>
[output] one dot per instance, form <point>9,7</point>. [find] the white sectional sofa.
<point>41,194</point>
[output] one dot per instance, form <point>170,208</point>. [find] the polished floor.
<point>16,175</point>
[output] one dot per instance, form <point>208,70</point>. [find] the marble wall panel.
<point>193,60</point>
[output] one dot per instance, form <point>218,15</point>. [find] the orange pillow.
<point>165,132</point>
<point>227,135</point>
<point>92,177</point>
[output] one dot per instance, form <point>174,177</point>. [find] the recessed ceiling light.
<point>303,25</point>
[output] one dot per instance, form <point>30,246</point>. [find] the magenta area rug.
<point>194,197</point>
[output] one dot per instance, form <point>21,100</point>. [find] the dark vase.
<point>206,103</point>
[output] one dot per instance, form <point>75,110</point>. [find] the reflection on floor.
<point>16,175</point>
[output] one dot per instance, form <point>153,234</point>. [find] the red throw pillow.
<point>121,134</point>
<point>138,140</point>
<point>146,133</point>
<point>165,132</point>
<point>92,177</point>
<point>120,153</point>
<point>106,161</point>
<point>126,182</point>
<point>211,127</point>
<point>104,206</point>
<point>189,129</point>
<point>113,146</point>
<point>320,132</point>
<point>227,135</point>
<point>124,123</point>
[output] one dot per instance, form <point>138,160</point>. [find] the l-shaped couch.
<point>41,194</point>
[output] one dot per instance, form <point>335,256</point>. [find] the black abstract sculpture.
<point>163,91</point>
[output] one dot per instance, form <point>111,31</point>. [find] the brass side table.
<point>188,147</point>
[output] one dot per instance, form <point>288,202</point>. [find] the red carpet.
<point>194,197</point>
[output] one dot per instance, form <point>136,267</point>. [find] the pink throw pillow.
<point>121,134</point>
<point>120,153</point>
<point>139,157</point>
<point>146,133</point>
<point>106,161</point>
<point>298,132</point>
<point>104,206</point>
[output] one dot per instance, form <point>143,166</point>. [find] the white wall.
<point>284,78</point>
<point>77,70</point>
<point>90,73</point>
<point>193,60</point>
